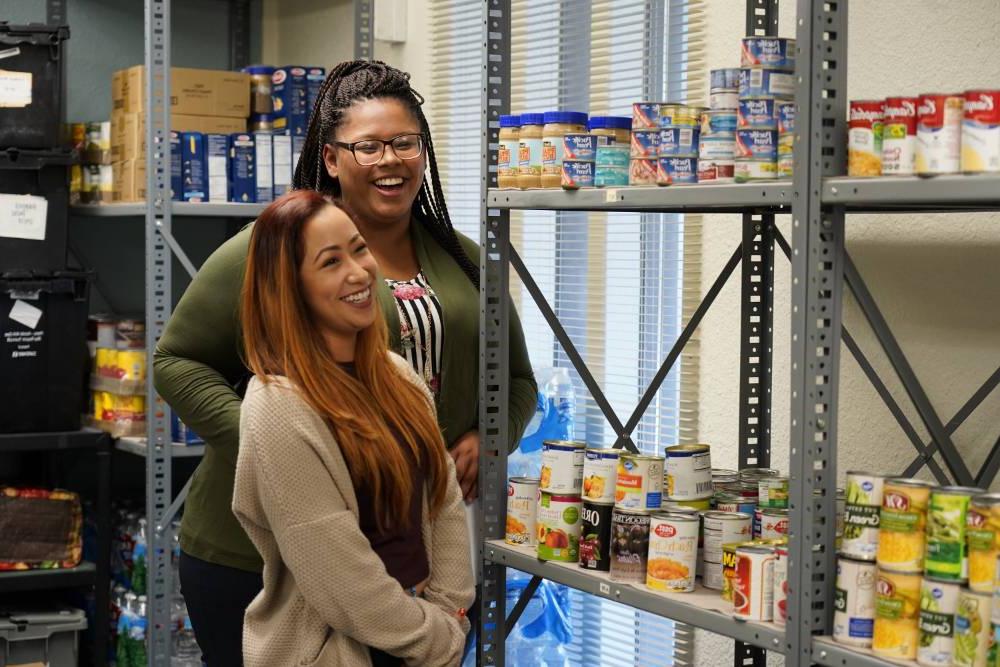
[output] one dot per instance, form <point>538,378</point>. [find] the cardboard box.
<point>193,169</point>
<point>264,166</point>
<point>128,131</point>
<point>176,167</point>
<point>217,164</point>
<point>129,181</point>
<point>242,180</point>
<point>196,92</point>
<point>282,153</point>
<point>315,76</point>
<point>118,92</point>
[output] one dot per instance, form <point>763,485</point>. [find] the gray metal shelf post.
<point>364,31</point>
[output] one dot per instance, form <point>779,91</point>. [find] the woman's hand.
<point>466,456</point>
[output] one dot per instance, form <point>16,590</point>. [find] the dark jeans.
<point>217,597</point>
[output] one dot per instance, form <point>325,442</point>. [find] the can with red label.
<point>757,144</point>
<point>899,135</point>
<point>757,113</point>
<point>642,172</point>
<point>716,171</point>
<point>522,505</point>
<point>645,144</point>
<point>753,584</point>
<point>679,141</point>
<point>864,138</point>
<point>673,552</point>
<point>677,171</point>
<point>629,546</point>
<point>595,537</point>
<point>777,52</point>
<point>981,132</point>
<point>939,133</point>
<point>645,115</point>
<point>780,613</point>
<point>773,523</point>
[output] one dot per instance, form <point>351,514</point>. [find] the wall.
<point>935,277</point>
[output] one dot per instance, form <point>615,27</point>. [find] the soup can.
<point>522,507</point>
<point>899,135</point>
<point>728,570</point>
<point>773,523</point>
<point>753,584</point>
<point>939,133</point>
<point>697,505</point>
<point>558,527</point>
<point>757,113</point>
<point>864,138</point>
<point>679,141</point>
<point>972,630</point>
<point>673,552</point>
<point>780,612</point>
<point>595,539</point>
<point>946,556</point>
<point>777,52</point>
<point>600,468</point>
<point>938,604</point>
<point>645,115</point>
<point>902,524</point>
<point>580,147</point>
<point>897,606</point>
<point>759,82</point>
<point>639,482</point>
<point>724,99</point>
<point>719,528</point>
<point>773,492</point>
<point>629,546</point>
<point>981,131</point>
<point>733,502</point>
<point>642,172</point>
<point>983,534</point>
<point>677,171</point>
<point>727,78</point>
<point>861,515</point>
<point>757,144</point>
<point>562,467</point>
<point>645,144</point>
<point>747,170</point>
<point>854,603</point>
<point>689,472</point>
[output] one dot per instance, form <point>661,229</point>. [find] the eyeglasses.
<point>370,151</point>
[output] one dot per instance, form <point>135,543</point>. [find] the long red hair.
<point>364,411</point>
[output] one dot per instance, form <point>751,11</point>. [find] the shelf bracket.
<point>364,26</point>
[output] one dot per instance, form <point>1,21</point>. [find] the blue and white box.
<point>242,174</point>
<point>264,165</point>
<point>176,172</point>
<point>181,434</point>
<point>282,164</point>
<point>193,166</point>
<point>290,93</point>
<point>217,163</point>
<point>315,76</point>
<point>298,143</point>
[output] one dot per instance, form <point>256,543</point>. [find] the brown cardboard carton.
<point>196,92</point>
<point>133,181</point>
<point>130,141</point>
<point>118,92</point>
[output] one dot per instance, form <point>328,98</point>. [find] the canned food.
<point>715,170</point>
<point>993,657</point>
<point>613,155</point>
<point>679,141</point>
<point>697,505</point>
<point>757,113</point>
<point>645,144</point>
<point>861,515</point>
<point>864,138</point>
<point>723,479</point>
<point>972,630</point>
<point>579,147</point>
<point>724,99</point>
<point>689,472</point>
<point>721,528</point>
<point>718,122</point>
<point>773,492</point>
<point>595,540</point>
<point>642,172</point>
<point>758,82</point>
<point>936,622</point>
<point>673,552</point>
<point>611,177</point>
<point>130,334</point>
<point>899,135</point>
<point>131,365</point>
<point>639,482</point>
<point>677,171</point>
<point>757,144</point>
<point>754,474</point>
<point>576,174</point>
<point>522,506</point>
<point>629,546</point>
<point>753,583</point>
<point>785,112</point>
<point>747,170</point>
<point>778,52</point>
<point>786,145</point>
<point>599,472</point>
<point>780,613</point>
<point>562,467</point>
<point>728,568</point>
<point>679,115</point>
<point>897,605</point>
<point>981,131</point>
<point>645,115</point>
<point>718,148</point>
<point>773,524</point>
<point>733,502</point>
<point>786,166</point>
<point>558,527</point>
<point>982,529</point>
<point>946,556</point>
<point>854,603</point>
<point>902,524</point>
<point>996,593</point>
<point>939,134</point>
<point>727,78</point>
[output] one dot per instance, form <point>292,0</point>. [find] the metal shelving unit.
<point>139,447</point>
<point>187,209</point>
<point>818,198</point>
<point>83,575</point>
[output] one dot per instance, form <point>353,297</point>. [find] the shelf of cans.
<point>745,134</point>
<point>918,572</point>
<point>658,523</point>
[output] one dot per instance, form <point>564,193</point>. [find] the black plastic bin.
<point>40,174</point>
<point>43,351</point>
<point>33,67</point>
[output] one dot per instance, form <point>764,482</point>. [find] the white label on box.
<point>23,217</point>
<point>264,163</point>
<point>15,89</point>
<point>26,314</point>
<point>282,161</point>
<point>10,53</point>
<point>217,183</point>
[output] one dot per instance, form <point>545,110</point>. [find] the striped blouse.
<point>421,323</point>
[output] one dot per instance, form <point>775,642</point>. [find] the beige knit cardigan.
<point>327,595</point>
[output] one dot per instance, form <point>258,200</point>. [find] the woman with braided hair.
<point>369,147</point>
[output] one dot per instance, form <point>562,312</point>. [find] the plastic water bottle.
<point>562,398</point>
<point>542,631</point>
<point>186,652</point>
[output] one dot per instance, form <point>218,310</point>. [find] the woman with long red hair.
<point>343,482</point>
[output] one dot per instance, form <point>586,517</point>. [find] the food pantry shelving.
<point>818,198</point>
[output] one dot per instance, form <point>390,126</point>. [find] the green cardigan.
<point>198,365</point>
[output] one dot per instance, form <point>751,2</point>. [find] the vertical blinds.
<point>621,283</point>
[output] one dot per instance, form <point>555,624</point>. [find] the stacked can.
<point>613,135</point>
<point>600,473</point>
<point>645,145</point>
<point>720,528</point>
<point>688,476</point>
<point>680,128</point>
<point>766,81</point>
<point>718,128</point>
<point>577,168</point>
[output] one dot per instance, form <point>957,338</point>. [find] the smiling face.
<point>382,193</point>
<point>337,274</point>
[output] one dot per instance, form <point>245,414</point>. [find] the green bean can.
<point>972,630</point>
<point>946,555</point>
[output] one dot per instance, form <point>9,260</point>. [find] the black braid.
<point>358,80</point>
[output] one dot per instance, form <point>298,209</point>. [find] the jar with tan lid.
<point>508,151</point>
<point>529,160</point>
<point>611,130</point>
<point>557,125</point>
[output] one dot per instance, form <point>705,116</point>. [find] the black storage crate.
<point>42,174</point>
<point>43,352</point>
<point>32,117</point>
